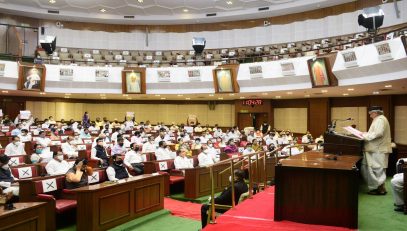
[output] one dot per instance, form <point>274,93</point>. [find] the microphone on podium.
<point>331,128</point>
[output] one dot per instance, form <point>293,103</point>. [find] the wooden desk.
<point>103,206</point>
<point>27,216</point>
<point>314,190</point>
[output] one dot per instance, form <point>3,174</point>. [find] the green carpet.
<point>376,212</point>
<point>200,200</point>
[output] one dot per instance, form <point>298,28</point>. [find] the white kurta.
<point>182,162</point>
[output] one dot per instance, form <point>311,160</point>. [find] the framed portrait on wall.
<point>224,78</point>
<point>31,77</point>
<point>134,81</point>
<point>320,72</point>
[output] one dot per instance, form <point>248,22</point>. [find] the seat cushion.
<point>176,179</point>
<point>63,205</point>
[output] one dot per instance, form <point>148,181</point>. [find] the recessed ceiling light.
<point>307,95</point>
<point>125,95</point>
<point>350,89</point>
<point>140,1</point>
<point>324,91</point>
<point>229,2</point>
<point>129,98</point>
<point>102,94</point>
<point>67,93</point>
<point>66,97</point>
<point>52,1</point>
<point>185,10</point>
<point>179,95</point>
<point>376,93</point>
<point>220,98</point>
<point>157,95</point>
<point>231,94</point>
<point>211,95</point>
<point>289,93</point>
<point>345,94</point>
<point>388,86</point>
<point>264,93</point>
<point>42,93</point>
<point>278,97</point>
<point>103,97</point>
<point>163,98</point>
<point>187,98</point>
<point>242,97</point>
<point>4,91</point>
<point>103,10</point>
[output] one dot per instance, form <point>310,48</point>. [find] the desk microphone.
<point>331,129</point>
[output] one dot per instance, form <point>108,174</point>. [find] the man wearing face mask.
<point>163,152</point>
<point>149,146</point>
<point>16,131</point>
<point>44,141</point>
<point>77,176</point>
<point>6,177</point>
<point>57,165</point>
<point>204,158</point>
<point>77,139</point>
<point>196,144</point>
<point>182,161</point>
<point>99,153</point>
<point>24,136</point>
<point>134,159</point>
<point>162,137</point>
<point>225,198</point>
<point>119,148</point>
<point>117,170</point>
<point>69,148</point>
<point>15,147</point>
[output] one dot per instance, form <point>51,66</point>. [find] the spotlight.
<point>198,44</point>
<point>49,43</point>
<point>371,18</point>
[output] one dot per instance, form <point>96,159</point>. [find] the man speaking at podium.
<point>376,152</point>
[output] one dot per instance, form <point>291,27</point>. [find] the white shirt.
<point>305,139</point>
<point>149,147</point>
<point>211,151</point>
<point>44,142</point>
<point>111,174</point>
<point>55,167</point>
<point>128,125</point>
<point>78,140</point>
<point>250,138</point>
<point>137,140</point>
<point>69,150</point>
<point>158,139</point>
<point>114,136</point>
<point>25,138</point>
<point>133,157</point>
<point>164,154</point>
<point>183,162</point>
<point>205,160</point>
<point>14,150</point>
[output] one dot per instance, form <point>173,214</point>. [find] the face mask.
<point>121,144</point>
<point>197,142</point>
<point>60,157</point>
<point>136,149</point>
<point>6,167</point>
<point>17,143</point>
<point>38,151</point>
<point>119,162</point>
<point>210,145</point>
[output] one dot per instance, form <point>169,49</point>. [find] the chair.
<point>25,171</point>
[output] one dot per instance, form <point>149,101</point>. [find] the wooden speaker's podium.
<point>339,144</point>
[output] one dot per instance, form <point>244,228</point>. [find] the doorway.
<point>251,119</point>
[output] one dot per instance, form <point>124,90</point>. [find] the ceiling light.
<point>345,94</point>
<point>42,93</point>
<point>102,97</point>
<point>289,93</point>
<point>265,93</point>
<point>125,95</point>
<point>67,93</point>
<point>324,91</point>
<point>163,98</point>
<point>187,98</point>
<point>128,98</point>
<point>307,95</point>
<point>157,95</point>
<point>350,89</point>
<point>278,97</point>
<point>231,94</point>
<point>102,94</point>
<point>103,10</point>
<point>140,1</point>
<point>229,2</point>
<point>179,95</point>
<point>220,98</point>
<point>4,91</point>
<point>388,86</point>
<point>185,10</point>
<point>66,97</point>
<point>376,93</point>
<point>211,95</point>
<point>52,1</point>
<point>242,97</point>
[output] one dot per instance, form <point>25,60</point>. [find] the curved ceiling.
<point>163,12</point>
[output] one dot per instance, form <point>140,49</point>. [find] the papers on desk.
<point>354,132</point>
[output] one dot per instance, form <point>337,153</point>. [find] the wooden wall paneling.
<point>264,108</point>
<point>318,116</point>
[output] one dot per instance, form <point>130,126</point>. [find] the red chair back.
<point>24,171</point>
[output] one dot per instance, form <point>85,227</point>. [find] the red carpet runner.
<point>257,214</point>
<point>183,209</point>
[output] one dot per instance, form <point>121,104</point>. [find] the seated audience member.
<point>77,139</point>
<point>307,138</point>
<point>16,131</point>
<point>162,137</point>
<point>119,148</point>
<point>85,134</point>
<point>99,153</point>
<point>232,134</point>
<point>225,198</point>
<point>173,128</point>
<point>77,176</point>
<point>6,177</point>
<point>136,138</point>
<point>149,146</point>
<point>198,128</point>
<point>117,170</point>
<point>243,141</point>
<point>291,150</point>
<point>217,132</point>
<point>185,136</point>
<point>249,149</point>
<point>251,137</point>
<point>231,147</point>
<point>51,120</point>
<point>134,159</point>
<point>205,158</point>
<point>129,124</point>
<point>163,152</point>
<point>40,155</point>
<point>219,143</point>
<point>197,144</point>
<point>116,132</point>
<point>212,151</point>
<point>98,123</point>
<point>44,141</point>
<point>258,134</point>
<point>115,124</point>
<point>15,147</point>
<point>257,147</point>
<point>24,136</point>
<point>270,139</point>
<point>57,165</point>
<point>182,161</point>
<point>206,128</point>
<point>397,186</point>
<point>69,148</point>
<point>107,129</point>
